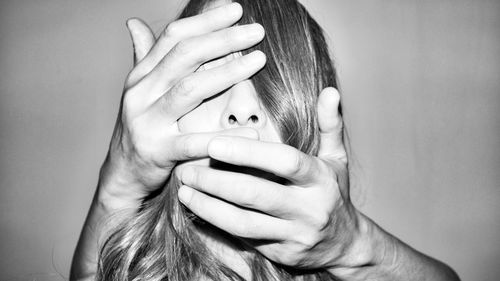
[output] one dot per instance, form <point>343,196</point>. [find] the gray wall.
<point>421,81</point>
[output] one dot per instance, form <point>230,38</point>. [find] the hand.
<point>163,86</point>
<point>308,223</point>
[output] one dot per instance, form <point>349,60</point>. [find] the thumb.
<point>143,38</point>
<point>330,126</point>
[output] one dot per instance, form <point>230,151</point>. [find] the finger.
<point>188,55</point>
<point>232,219</point>
<point>194,145</point>
<point>280,159</point>
<point>193,89</point>
<point>209,21</point>
<point>242,189</point>
<point>143,38</point>
<point>330,126</point>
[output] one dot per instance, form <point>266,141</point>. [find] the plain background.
<point>421,85</point>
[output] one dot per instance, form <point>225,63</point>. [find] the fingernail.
<point>185,193</point>
<point>129,21</point>
<point>218,147</point>
<point>255,58</point>
<point>234,9</point>
<point>254,32</point>
<point>334,94</point>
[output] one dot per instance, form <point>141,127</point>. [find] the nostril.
<point>232,119</point>
<point>254,119</point>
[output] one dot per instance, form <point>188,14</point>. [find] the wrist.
<point>117,189</point>
<point>112,202</point>
<point>375,254</point>
<point>367,249</point>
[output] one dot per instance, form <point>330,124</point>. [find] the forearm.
<point>97,225</point>
<point>377,255</point>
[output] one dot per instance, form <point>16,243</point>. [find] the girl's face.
<point>238,106</point>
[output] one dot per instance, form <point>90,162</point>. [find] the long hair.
<point>160,242</point>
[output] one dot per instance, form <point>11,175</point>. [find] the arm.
<point>377,255</point>
<point>103,207</point>
<point>162,87</point>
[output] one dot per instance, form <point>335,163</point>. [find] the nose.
<point>243,107</point>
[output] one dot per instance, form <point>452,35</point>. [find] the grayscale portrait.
<point>257,140</point>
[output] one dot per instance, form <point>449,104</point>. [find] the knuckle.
<point>185,87</point>
<point>296,163</point>
<point>188,147</point>
<point>229,35</point>
<point>322,220</point>
<point>165,104</point>
<point>186,49</point>
<point>250,197</point>
<point>173,29</point>
<point>306,242</point>
<point>180,49</point>
<point>131,78</point>
<point>292,256</point>
<point>337,170</point>
<point>325,172</point>
<point>198,178</point>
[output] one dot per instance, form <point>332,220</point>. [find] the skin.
<point>165,118</point>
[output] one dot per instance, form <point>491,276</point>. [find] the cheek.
<point>204,118</point>
<point>270,132</point>
<point>193,122</point>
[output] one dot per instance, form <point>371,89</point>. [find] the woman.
<point>227,160</point>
